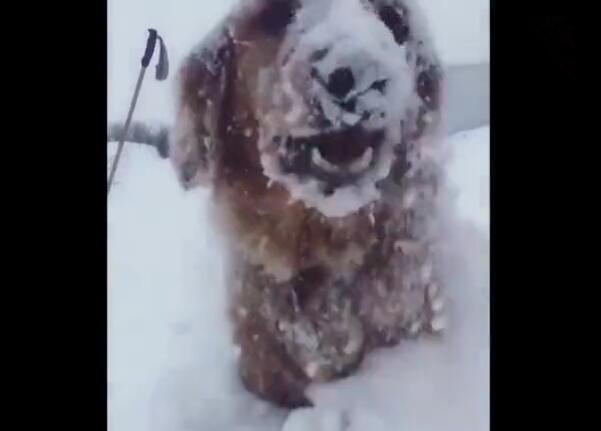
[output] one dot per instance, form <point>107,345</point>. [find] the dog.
<point>315,123</point>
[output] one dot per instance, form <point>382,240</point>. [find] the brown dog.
<point>313,120</point>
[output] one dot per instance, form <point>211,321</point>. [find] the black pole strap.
<point>162,67</point>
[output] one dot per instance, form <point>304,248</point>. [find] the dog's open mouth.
<point>336,158</point>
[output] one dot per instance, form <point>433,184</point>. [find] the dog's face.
<point>319,99</point>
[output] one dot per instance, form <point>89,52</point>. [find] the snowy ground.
<point>171,363</point>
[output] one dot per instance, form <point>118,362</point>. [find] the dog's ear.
<point>409,28</point>
<point>203,84</point>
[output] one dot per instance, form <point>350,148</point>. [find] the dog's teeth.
<point>363,162</point>
<point>350,118</point>
<point>357,166</point>
<point>321,162</point>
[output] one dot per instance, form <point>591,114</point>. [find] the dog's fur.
<point>311,293</point>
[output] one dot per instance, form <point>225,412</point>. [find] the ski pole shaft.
<point>132,107</point>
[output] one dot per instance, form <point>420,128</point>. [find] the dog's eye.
<point>395,22</point>
<point>277,15</point>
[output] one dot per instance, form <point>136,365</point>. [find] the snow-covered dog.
<point>315,123</point>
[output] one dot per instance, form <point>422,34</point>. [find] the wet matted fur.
<point>326,191</point>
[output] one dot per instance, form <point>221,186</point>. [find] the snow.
<point>171,362</point>
<point>470,172</point>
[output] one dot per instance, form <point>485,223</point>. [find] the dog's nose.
<point>340,82</point>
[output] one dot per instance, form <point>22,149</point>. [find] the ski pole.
<point>162,70</point>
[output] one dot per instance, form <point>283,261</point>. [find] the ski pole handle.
<point>150,44</point>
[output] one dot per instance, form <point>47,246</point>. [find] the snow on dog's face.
<point>327,95</point>
<point>331,108</point>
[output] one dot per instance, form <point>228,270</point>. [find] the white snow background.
<point>171,362</point>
